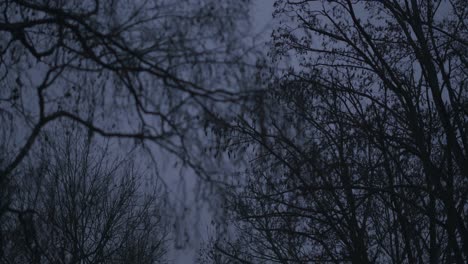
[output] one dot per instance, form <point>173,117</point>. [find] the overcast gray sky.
<point>261,15</point>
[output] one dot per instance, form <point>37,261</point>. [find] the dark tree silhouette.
<point>77,204</point>
<point>359,152</point>
<point>124,69</point>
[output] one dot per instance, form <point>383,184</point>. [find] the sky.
<point>261,16</point>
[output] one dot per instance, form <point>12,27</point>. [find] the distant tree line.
<point>73,203</point>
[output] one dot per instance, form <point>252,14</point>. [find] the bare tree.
<point>124,69</point>
<point>360,150</point>
<point>77,204</point>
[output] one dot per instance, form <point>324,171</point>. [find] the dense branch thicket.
<point>75,203</point>
<point>359,152</point>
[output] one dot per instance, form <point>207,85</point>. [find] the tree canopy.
<point>344,139</point>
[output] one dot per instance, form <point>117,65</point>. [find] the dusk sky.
<point>261,15</point>
<point>205,131</point>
